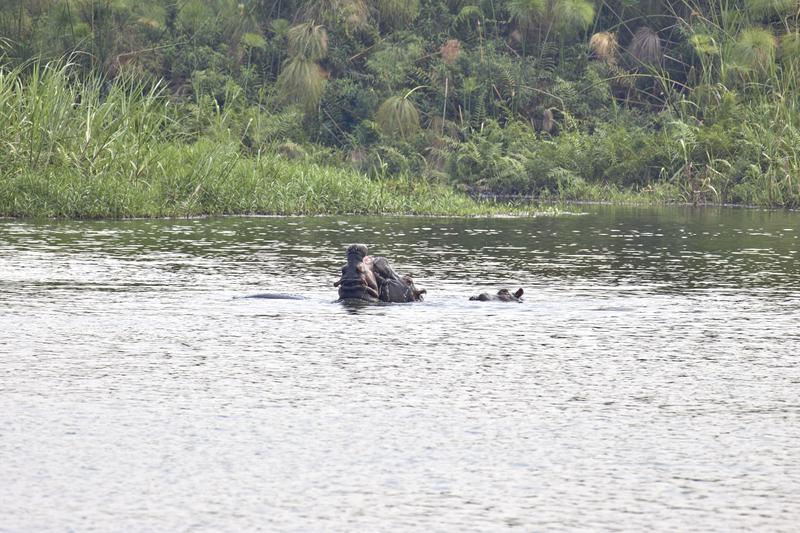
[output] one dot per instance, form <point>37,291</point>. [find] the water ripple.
<point>648,381</point>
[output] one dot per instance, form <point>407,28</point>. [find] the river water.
<point>650,380</point>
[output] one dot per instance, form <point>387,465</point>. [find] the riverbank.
<point>82,147</point>
<point>209,179</point>
<point>429,102</point>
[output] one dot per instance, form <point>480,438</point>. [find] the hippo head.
<point>503,295</point>
<point>372,279</point>
<point>357,252</point>
<point>358,281</point>
<point>417,293</point>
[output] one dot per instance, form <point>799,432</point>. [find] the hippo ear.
<point>518,294</point>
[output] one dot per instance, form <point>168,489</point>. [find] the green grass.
<point>73,149</point>
<point>82,148</point>
<point>207,179</point>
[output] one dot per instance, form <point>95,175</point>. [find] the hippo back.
<point>503,295</point>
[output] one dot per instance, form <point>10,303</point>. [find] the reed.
<point>191,182</point>
<point>398,115</point>
<point>88,149</point>
<point>398,13</point>
<point>307,41</point>
<point>604,45</point>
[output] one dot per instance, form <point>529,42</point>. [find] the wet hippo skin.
<point>503,295</point>
<point>372,279</point>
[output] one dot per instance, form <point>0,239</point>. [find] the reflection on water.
<point>649,381</point>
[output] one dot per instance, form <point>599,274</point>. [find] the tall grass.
<point>88,148</point>
<point>747,100</point>
<point>192,182</point>
<point>51,119</point>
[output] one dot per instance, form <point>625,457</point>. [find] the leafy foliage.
<point>526,13</point>
<point>754,51</point>
<point>397,115</point>
<point>770,8</point>
<point>646,47</point>
<point>396,14</point>
<point>302,82</point>
<point>543,97</point>
<point>572,15</point>
<point>789,48</point>
<point>307,41</point>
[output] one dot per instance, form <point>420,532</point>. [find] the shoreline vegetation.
<point>87,149</point>
<point>121,109</point>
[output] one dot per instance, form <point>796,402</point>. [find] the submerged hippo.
<point>503,295</point>
<point>372,279</point>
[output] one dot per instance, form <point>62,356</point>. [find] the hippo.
<point>392,287</point>
<point>503,295</point>
<point>371,279</point>
<point>276,296</point>
<point>358,280</point>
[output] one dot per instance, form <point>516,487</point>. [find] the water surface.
<point>649,381</point>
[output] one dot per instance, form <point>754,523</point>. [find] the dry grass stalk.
<point>548,120</point>
<point>646,47</point>
<point>604,45</point>
<point>450,51</point>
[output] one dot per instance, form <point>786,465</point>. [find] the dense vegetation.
<point>690,100</point>
<point>74,148</point>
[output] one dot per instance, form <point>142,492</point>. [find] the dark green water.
<point>649,381</point>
